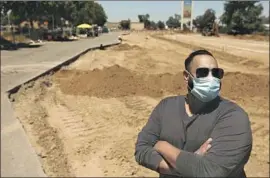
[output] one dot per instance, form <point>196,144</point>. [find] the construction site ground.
<point>84,119</point>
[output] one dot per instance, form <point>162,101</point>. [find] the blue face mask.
<point>205,89</point>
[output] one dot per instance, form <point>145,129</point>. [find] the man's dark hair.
<point>193,54</point>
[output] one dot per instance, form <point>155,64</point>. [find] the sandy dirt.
<point>256,50</point>
<point>84,120</point>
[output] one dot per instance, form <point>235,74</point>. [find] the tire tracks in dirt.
<point>250,66</point>
<point>45,138</point>
<point>100,151</point>
<point>78,136</point>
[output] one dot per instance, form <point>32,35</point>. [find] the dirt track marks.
<point>251,65</point>
<point>137,112</point>
<point>258,110</point>
<point>44,137</point>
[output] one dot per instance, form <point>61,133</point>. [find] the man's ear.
<point>186,76</point>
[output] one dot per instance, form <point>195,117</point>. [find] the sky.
<point>160,10</point>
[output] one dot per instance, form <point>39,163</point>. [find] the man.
<point>170,141</point>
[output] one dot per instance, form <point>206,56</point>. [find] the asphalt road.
<point>18,158</point>
<point>25,61</point>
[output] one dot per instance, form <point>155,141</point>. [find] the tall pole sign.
<point>187,13</point>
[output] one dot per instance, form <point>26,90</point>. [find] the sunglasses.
<point>204,72</point>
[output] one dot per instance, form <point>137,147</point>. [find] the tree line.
<point>57,12</point>
<point>145,19</point>
<point>241,17</point>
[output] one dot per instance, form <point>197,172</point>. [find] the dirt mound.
<point>245,85</point>
<point>126,47</point>
<point>117,81</point>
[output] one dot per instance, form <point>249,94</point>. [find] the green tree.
<point>140,17</point>
<point>100,15</point>
<point>145,19</point>
<point>152,26</point>
<point>56,12</point>
<point>242,17</point>
<point>174,22</point>
<point>206,20</point>
<point>74,11</point>
<point>84,12</point>
<point>125,24</point>
<point>265,20</point>
<point>147,24</point>
<point>26,10</point>
<point>177,17</point>
<point>160,25</point>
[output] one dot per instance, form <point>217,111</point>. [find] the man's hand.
<point>164,168</point>
<point>163,148</point>
<point>204,148</point>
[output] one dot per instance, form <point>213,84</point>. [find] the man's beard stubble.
<point>197,106</point>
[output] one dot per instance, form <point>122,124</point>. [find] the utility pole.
<point>191,18</point>
<point>182,15</point>
<point>8,15</point>
<point>8,21</point>
<point>11,26</point>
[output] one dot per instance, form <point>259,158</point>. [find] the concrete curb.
<point>56,68</point>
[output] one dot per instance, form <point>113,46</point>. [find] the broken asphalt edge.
<point>56,68</point>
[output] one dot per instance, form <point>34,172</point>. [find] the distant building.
<point>133,25</point>
<point>136,26</point>
<point>112,25</point>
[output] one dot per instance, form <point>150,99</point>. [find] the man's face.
<point>202,66</point>
<point>199,61</point>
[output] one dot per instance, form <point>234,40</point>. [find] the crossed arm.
<point>231,147</point>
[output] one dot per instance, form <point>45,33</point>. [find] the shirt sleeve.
<point>231,148</point>
<point>145,154</point>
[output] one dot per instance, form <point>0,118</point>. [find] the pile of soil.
<point>126,47</point>
<point>116,81</point>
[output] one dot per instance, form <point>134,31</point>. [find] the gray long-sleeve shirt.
<point>228,125</point>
